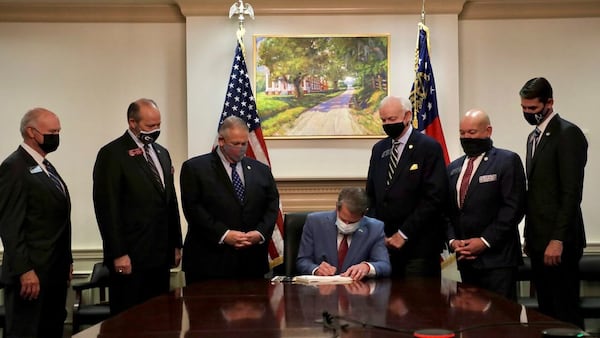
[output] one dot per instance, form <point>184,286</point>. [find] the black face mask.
<point>51,142</point>
<point>148,137</point>
<point>536,118</point>
<point>393,130</point>
<point>475,146</point>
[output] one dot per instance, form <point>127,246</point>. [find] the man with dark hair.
<point>554,231</point>
<point>487,202</point>
<point>231,205</point>
<point>408,188</point>
<point>136,208</point>
<point>344,241</point>
<point>35,225</point>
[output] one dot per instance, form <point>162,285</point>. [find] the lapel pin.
<point>410,146</point>
<point>485,158</point>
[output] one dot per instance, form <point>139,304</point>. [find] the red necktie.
<point>342,251</point>
<point>464,184</point>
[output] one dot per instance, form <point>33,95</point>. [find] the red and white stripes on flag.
<point>240,102</point>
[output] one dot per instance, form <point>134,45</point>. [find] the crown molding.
<point>88,12</point>
<point>320,7</point>
<point>529,9</point>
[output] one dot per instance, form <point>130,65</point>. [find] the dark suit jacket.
<point>35,222</point>
<point>555,188</point>
<point>134,216</point>
<point>416,198</point>
<point>319,238</point>
<point>211,208</point>
<point>493,207</point>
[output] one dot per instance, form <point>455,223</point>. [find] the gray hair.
<point>231,122</point>
<point>355,199</point>
<point>30,119</point>
<point>404,102</point>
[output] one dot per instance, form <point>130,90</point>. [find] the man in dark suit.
<point>136,209</point>
<point>231,204</point>
<point>35,225</point>
<point>361,238</point>
<point>487,202</point>
<point>554,232</point>
<point>408,188</point>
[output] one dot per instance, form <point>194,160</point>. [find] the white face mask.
<point>346,228</point>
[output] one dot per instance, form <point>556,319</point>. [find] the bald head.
<point>40,128</point>
<point>395,114</point>
<point>475,124</point>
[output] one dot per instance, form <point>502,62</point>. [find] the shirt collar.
<point>135,139</point>
<point>404,138</point>
<point>542,126</point>
<point>36,156</point>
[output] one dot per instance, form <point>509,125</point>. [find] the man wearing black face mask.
<point>554,231</point>
<point>136,209</point>
<point>487,202</point>
<point>35,226</point>
<point>408,188</point>
<point>231,204</point>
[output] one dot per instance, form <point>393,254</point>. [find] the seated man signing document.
<point>344,242</point>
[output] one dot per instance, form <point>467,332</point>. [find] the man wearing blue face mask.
<point>231,205</point>
<point>487,202</point>
<point>344,241</point>
<point>554,232</point>
<point>136,209</point>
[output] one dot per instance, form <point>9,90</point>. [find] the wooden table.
<point>377,308</point>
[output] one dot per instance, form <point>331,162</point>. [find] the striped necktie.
<point>238,186</point>
<point>53,174</point>
<point>152,166</point>
<point>393,161</point>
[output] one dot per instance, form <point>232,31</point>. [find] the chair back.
<point>293,225</point>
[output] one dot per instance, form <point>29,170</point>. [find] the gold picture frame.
<point>320,86</point>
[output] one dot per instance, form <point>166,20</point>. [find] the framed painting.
<point>320,86</point>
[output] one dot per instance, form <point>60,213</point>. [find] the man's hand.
<point>553,253</point>
<point>30,285</point>
<point>325,269</point>
<point>177,258</point>
<point>123,265</point>
<point>237,239</point>
<point>254,237</point>
<point>357,271</point>
<point>468,248</point>
<point>396,241</point>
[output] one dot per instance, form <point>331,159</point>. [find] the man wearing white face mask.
<point>136,209</point>
<point>231,204</point>
<point>344,241</point>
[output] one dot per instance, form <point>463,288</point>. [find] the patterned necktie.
<point>464,184</point>
<point>53,174</point>
<point>238,186</point>
<point>393,161</point>
<point>342,251</point>
<point>152,166</point>
<point>535,139</point>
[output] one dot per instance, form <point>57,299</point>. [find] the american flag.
<point>240,102</point>
<point>426,118</point>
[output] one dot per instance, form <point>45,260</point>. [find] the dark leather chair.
<point>90,314</point>
<point>293,224</point>
<point>524,274</point>
<point>589,273</point>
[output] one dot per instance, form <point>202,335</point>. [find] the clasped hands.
<point>469,248</point>
<point>241,240</point>
<point>356,272</point>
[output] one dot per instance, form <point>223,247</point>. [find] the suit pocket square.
<point>414,166</point>
<point>488,178</point>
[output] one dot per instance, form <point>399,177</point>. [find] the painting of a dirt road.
<point>320,86</point>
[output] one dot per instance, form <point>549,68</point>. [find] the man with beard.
<point>487,201</point>
<point>231,204</point>
<point>408,188</point>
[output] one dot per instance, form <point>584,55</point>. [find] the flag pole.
<point>423,12</point>
<point>241,9</point>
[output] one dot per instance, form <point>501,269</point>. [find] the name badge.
<point>35,170</point>
<point>488,178</point>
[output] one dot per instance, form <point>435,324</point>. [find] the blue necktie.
<point>238,186</point>
<point>53,174</point>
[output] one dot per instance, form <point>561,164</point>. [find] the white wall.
<point>211,44</point>
<point>88,74</point>
<point>498,56</point>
